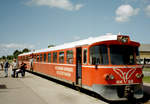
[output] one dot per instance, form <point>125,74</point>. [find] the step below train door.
<point>78,66</point>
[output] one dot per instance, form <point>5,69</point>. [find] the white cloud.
<point>78,6</point>
<point>127,1</point>
<point>124,12</point>
<point>14,45</point>
<point>8,49</point>
<point>63,4</point>
<point>147,10</point>
<point>134,1</point>
<point>77,37</point>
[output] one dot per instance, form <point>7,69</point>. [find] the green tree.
<point>3,57</point>
<point>16,53</point>
<point>25,50</point>
<point>10,57</point>
<point>49,46</point>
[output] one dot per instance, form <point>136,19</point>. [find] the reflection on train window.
<point>41,57</point>
<point>49,57</point>
<point>55,57</point>
<point>70,57</point>
<point>45,57</point>
<point>85,56</point>
<point>98,55</point>
<point>61,57</point>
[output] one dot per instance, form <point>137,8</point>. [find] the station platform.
<point>33,89</point>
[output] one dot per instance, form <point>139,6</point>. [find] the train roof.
<point>87,41</point>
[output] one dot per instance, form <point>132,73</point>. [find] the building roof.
<point>145,47</point>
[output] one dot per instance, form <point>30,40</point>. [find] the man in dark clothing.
<point>22,70</point>
<point>6,66</point>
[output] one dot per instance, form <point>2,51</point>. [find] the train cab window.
<point>138,60</point>
<point>55,57</point>
<point>122,55</point>
<point>98,55</point>
<point>45,57</point>
<point>84,56</point>
<point>61,57</point>
<point>40,57</point>
<point>70,57</point>
<point>49,57</point>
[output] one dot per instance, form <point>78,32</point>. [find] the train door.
<point>79,66</point>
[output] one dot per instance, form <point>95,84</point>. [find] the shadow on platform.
<point>2,86</point>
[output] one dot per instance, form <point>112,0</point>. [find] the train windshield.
<point>98,55</point>
<point>122,55</point>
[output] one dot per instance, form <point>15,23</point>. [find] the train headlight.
<point>109,77</point>
<point>138,75</point>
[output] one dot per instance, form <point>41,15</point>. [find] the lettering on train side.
<point>64,71</point>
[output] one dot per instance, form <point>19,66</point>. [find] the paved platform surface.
<point>36,90</point>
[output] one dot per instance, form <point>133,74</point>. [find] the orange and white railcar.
<point>106,65</point>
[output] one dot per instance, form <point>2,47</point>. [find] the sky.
<point>35,24</point>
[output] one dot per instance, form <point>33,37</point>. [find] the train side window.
<point>37,58</point>
<point>45,57</point>
<point>61,57</point>
<point>27,58</point>
<point>84,56</point>
<point>55,57</point>
<point>41,57</point>
<point>23,58</point>
<point>70,57</point>
<point>49,57</point>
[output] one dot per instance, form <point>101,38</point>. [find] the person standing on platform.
<point>6,66</point>
<point>1,65</point>
<point>14,68</point>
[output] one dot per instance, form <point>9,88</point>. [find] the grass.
<point>146,79</point>
<point>146,69</point>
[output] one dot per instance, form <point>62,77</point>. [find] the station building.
<point>145,53</point>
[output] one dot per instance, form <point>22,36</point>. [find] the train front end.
<point>118,74</point>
